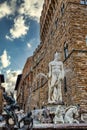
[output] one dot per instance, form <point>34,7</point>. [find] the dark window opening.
<point>86,40</point>
<point>62,8</point>
<point>56,23</point>
<point>42,81</point>
<point>65,50</point>
<point>65,85</point>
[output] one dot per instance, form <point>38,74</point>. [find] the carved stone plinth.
<point>60,127</point>
<point>56,127</point>
<point>53,105</point>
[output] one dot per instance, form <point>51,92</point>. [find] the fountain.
<point>55,114</point>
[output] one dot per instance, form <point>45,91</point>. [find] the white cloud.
<point>28,9</point>
<point>31,8</point>
<point>19,29</point>
<point>11,80</point>
<point>29,45</point>
<point>5,10</point>
<point>13,6</point>
<point>8,38</point>
<point>5,59</point>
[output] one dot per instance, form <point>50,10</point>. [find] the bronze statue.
<point>10,108</point>
<point>27,121</point>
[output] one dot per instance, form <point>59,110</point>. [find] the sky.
<point>19,36</point>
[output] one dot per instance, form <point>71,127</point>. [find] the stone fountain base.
<point>53,106</point>
<point>55,127</point>
<point>60,127</point>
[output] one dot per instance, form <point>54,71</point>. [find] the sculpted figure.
<point>46,116</point>
<point>59,115</point>
<point>11,103</point>
<point>28,121</point>
<point>71,114</point>
<point>10,108</point>
<point>56,75</point>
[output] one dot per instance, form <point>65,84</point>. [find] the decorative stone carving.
<point>42,116</point>
<point>56,75</point>
<point>70,115</point>
<point>66,115</point>
<point>27,120</point>
<point>59,115</point>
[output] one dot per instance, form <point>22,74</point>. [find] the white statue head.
<point>57,56</point>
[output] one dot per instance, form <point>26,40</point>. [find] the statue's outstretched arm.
<point>50,70</point>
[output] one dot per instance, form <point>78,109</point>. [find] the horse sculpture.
<point>70,114</point>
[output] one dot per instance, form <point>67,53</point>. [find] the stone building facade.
<point>63,28</point>
<point>2,89</point>
<point>23,84</point>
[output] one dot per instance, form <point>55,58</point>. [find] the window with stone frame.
<point>84,2</point>
<point>65,50</point>
<point>56,23</point>
<point>62,8</point>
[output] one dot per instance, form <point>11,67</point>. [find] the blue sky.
<point>19,35</point>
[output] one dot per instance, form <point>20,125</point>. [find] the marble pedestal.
<point>53,106</point>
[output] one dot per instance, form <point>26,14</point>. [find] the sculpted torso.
<point>55,67</point>
<point>55,76</point>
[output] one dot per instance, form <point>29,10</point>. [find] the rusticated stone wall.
<point>1,100</point>
<point>63,21</point>
<point>23,88</point>
<point>70,28</point>
<point>76,83</point>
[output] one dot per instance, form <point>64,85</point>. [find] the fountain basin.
<point>55,127</point>
<point>60,127</point>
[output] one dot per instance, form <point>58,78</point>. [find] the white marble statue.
<point>71,114</point>
<point>59,115</point>
<point>56,75</point>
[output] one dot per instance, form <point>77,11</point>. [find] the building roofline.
<point>18,81</point>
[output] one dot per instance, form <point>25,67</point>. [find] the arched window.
<point>65,50</point>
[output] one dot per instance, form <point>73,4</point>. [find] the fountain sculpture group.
<point>56,111</point>
<point>14,116</point>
